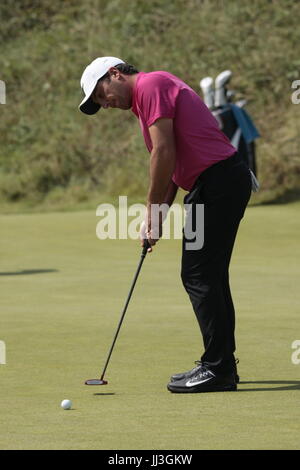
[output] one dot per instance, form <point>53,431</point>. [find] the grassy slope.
<point>58,327</point>
<point>49,148</point>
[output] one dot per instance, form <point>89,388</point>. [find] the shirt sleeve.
<point>158,99</point>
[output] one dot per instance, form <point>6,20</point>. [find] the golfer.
<point>187,150</point>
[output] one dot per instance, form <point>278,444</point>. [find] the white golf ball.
<point>66,404</point>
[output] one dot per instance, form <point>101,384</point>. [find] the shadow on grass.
<point>100,394</point>
<point>28,271</point>
<point>286,385</point>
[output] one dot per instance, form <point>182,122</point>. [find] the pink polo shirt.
<point>199,141</point>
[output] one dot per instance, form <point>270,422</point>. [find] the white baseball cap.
<point>92,73</point>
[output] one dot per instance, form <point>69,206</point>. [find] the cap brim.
<point>88,106</point>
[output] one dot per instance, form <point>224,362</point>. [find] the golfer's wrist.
<point>155,216</point>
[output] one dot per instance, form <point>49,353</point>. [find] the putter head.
<point>95,382</point>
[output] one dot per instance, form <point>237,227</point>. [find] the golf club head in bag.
<point>207,87</point>
<point>220,88</point>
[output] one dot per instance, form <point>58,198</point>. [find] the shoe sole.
<point>215,388</point>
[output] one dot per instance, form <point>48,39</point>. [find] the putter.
<point>101,381</point>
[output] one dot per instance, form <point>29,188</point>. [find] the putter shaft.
<point>143,255</point>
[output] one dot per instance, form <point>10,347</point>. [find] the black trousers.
<point>224,189</point>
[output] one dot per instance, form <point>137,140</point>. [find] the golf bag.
<point>233,120</point>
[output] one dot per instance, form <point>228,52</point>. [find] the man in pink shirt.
<point>187,150</point>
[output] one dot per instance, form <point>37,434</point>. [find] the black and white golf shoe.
<point>195,370</point>
<point>204,381</point>
<point>188,374</point>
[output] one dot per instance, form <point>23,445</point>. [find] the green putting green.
<point>62,293</point>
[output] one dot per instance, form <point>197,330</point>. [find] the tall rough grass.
<point>49,148</point>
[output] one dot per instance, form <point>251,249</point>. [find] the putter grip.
<point>146,246</point>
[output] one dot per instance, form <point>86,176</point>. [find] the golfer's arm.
<point>171,193</point>
<point>162,163</point>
